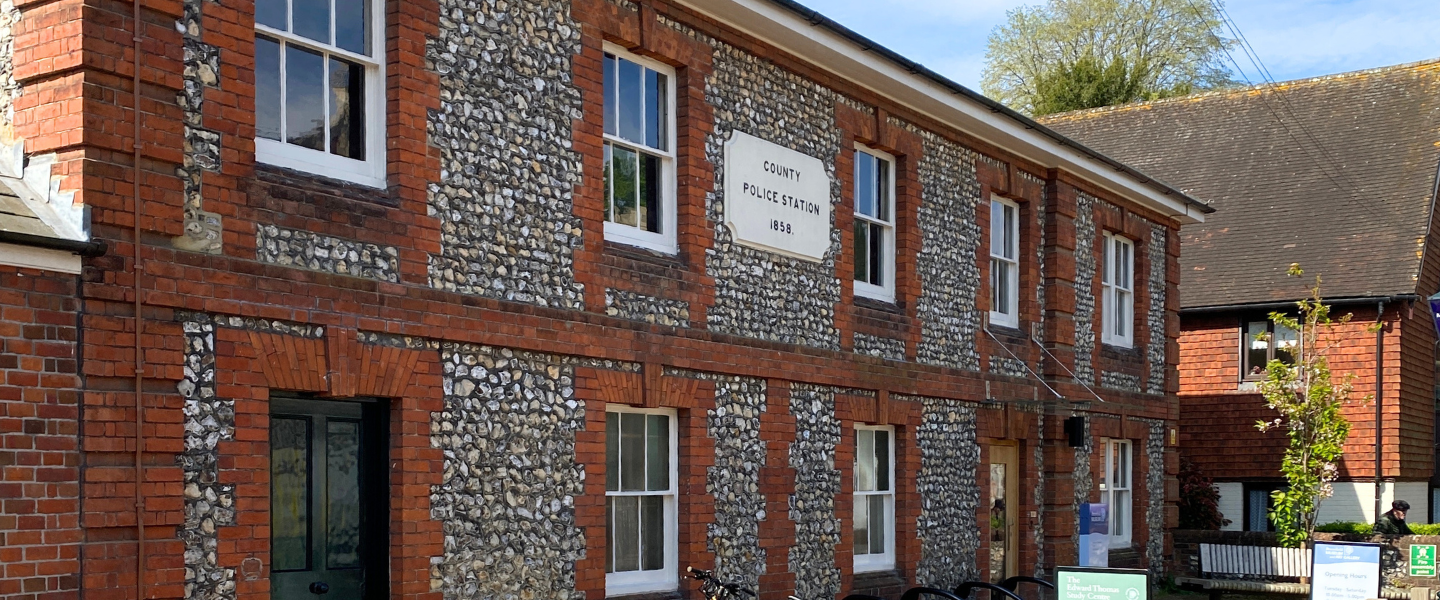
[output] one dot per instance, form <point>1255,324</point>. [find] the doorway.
<point>329,500</point>
<point>1004,511</point>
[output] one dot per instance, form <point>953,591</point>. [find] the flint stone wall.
<point>734,481</point>
<point>1155,492</point>
<point>508,169</point>
<point>209,504</point>
<point>950,238</point>
<point>328,254</point>
<point>759,294</point>
<point>817,484</point>
<point>1085,288</point>
<point>1155,316</point>
<point>949,496</point>
<point>506,503</point>
<point>874,345</point>
<point>640,307</point>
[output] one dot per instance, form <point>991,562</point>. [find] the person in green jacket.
<point>1393,521</point>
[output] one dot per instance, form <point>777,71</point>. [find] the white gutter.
<point>783,28</point>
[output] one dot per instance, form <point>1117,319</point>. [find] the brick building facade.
<point>1268,180</point>
<point>406,332</point>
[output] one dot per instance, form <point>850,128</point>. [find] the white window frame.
<point>885,292</point>
<point>369,172</point>
<point>1118,299</point>
<point>1007,316</point>
<point>1112,492</point>
<point>877,561</point>
<point>668,578</point>
<point>666,241</point>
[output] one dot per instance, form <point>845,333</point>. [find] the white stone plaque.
<point>776,199</point>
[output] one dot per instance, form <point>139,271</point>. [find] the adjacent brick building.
<point>553,298</point>
<point>1282,165</point>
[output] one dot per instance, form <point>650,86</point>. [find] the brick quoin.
<point>285,328</point>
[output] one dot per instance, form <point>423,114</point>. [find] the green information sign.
<point>1422,561</point>
<point>1084,583</point>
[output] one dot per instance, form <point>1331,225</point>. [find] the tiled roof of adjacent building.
<point>1337,173</point>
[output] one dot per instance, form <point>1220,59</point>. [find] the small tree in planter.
<point>1309,400</point>
<point>1199,499</point>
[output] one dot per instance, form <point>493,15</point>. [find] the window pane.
<point>267,87</point>
<point>627,533</point>
<point>1123,314</point>
<point>1126,267</point>
<point>1259,501</point>
<point>1256,349</point>
<point>882,189</point>
<point>657,464</point>
<point>271,13</point>
<point>650,210</point>
<point>877,254</point>
<point>654,111</point>
<point>352,18</point>
<point>878,524</point>
<point>862,526</point>
<point>347,109</point>
<point>342,494</point>
<point>652,530</point>
<point>1122,478</point>
<point>632,452</point>
<point>312,19</point>
<point>882,460</point>
<point>304,98</point>
<point>610,533</point>
<point>1287,344</point>
<point>631,101</point>
<point>864,184</point>
<point>625,182</point>
<point>1012,244</point>
<point>609,183</point>
<point>1105,261</point>
<point>1002,287</point>
<point>611,118</point>
<point>865,461</point>
<point>612,452</point>
<point>289,494</point>
<point>862,250</point>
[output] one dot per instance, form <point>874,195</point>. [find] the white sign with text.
<point>776,199</point>
<point>1345,571</point>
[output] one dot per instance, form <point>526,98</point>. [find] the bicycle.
<point>715,589</point>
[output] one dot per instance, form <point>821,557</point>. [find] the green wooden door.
<point>327,499</point>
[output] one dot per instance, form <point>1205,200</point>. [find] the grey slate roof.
<point>1358,217</point>
<point>15,217</point>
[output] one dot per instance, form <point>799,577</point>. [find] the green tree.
<point>1309,399</point>
<point>1076,54</point>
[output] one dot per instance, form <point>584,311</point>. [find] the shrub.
<point>1426,528</point>
<point>1345,527</point>
<point>1199,499</point>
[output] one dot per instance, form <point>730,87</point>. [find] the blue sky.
<point>1294,38</point>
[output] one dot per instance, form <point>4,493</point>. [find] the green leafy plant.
<point>1345,527</point>
<point>1309,399</point>
<point>1199,499</point>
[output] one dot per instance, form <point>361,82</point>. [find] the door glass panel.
<point>342,494</point>
<point>289,493</point>
<point>998,542</point>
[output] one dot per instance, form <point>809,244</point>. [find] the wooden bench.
<point>1258,561</point>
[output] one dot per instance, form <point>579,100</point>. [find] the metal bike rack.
<point>963,592</point>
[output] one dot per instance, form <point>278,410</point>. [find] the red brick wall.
<point>1218,417</point>
<point>39,459</point>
